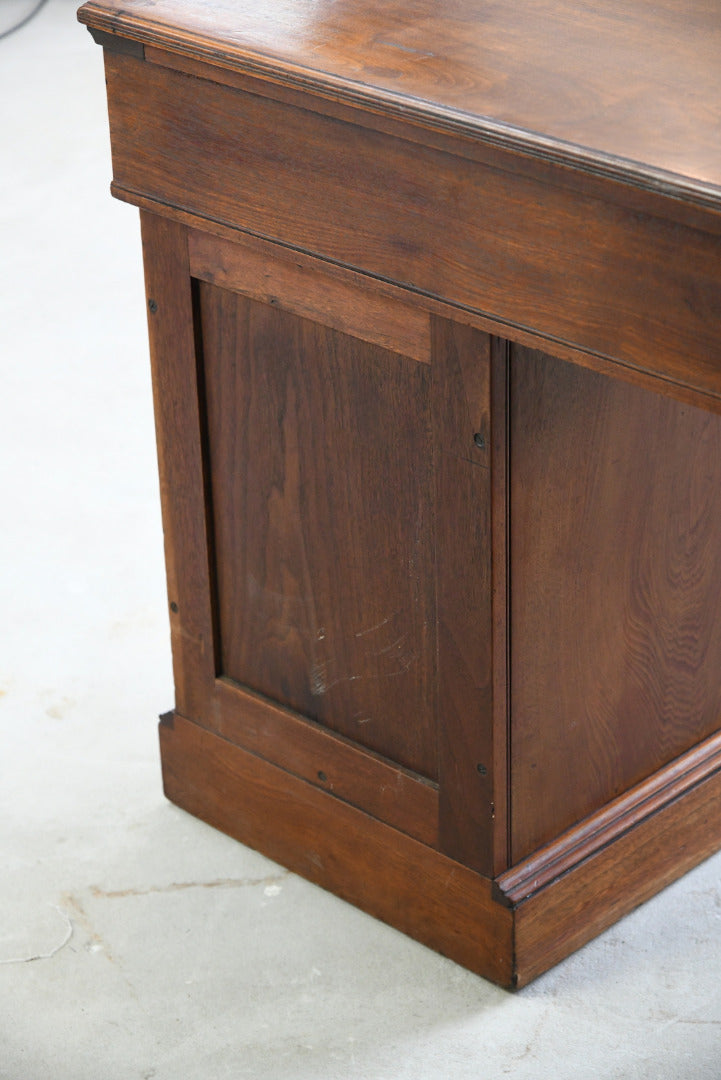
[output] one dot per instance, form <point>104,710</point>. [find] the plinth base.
<point>508,930</point>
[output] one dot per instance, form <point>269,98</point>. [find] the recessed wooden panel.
<point>320,463</point>
<point>615,589</point>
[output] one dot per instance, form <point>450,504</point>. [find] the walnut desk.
<point>434,302</point>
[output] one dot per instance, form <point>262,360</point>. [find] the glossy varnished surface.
<point>639,81</point>
<point>439,588</point>
<point>512,247</point>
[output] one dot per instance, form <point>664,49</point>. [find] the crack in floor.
<point>96,942</point>
<point>180,886</point>
<point>82,919</point>
<point>46,955</point>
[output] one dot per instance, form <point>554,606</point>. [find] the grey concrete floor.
<point>135,942</point>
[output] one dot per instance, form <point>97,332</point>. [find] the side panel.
<point>328,517</point>
<point>615,589</point>
<point>321,468</point>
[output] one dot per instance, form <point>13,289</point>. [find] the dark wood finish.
<point>461,371</point>
<point>600,830</point>
<point>500,523</point>
<point>299,284</point>
<point>615,629</point>
<point>436,900</point>
<point>349,771</point>
<point>690,395</point>
<point>360,604</point>
<point>435,319</point>
<point>610,184</point>
<point>114,43</point>
<point>596,892</point>
<point>411,886</point>
<point>502,244</point>
<point>319,455</point>
<point>395,795</point>
<point>583,83</point>
<point>171,330</point>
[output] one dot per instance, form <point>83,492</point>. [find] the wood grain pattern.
<point>171,331</point>
<point>303,286</point>
<point>443,606</point>
<point>609,185</point>
<point>462,392</point>
<point>632,89</point>
<point>352,549</point>
<point>616,570</point>
<point>668,785</point>
<point>394,795</point>
<point>418,890</point>
<point>504,331</point>
<point>500,597</point>
<point>521,251</point>
<point>351,773</point>
<point>581,904</point>
<point>321,472</point>
<point>421,892</point>
<point>461,425</point>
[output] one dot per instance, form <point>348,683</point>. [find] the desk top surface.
<point>627,89</point>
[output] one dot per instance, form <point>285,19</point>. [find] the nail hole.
<point>480,440</point>
<point>174,607</point>
<point>322,777</point>
<point>153,306</point>
<point>482,769</point>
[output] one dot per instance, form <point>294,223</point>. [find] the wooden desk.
<point>434,301</point>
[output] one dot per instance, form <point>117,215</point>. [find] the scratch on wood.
<point>406,48</point>
<point>376,660</point>
<point>319,685</point>
<point>383,622</point>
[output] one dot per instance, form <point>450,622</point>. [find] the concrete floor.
<point>135,942</point>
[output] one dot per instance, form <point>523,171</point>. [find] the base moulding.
<point>509,930</point>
